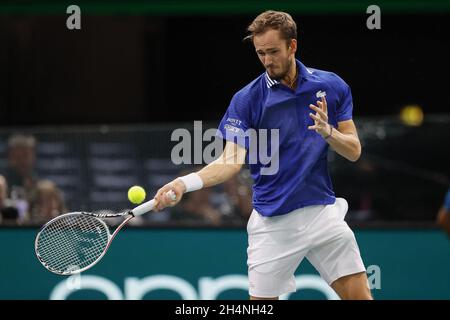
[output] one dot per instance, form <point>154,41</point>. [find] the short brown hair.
<point>276,20</point>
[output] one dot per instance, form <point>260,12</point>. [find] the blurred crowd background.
<point>86,114</point>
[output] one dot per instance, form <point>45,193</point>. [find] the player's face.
<point>275,53</point>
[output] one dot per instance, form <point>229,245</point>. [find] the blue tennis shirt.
<point>301,177</point>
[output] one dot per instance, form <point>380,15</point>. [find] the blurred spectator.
<point>237,206</point>
<point>20,171</point>
<point>196,206</point>
<point>361,191</point>
<point>443,217</point>
<point>8,213</point>
<point>46,202</point>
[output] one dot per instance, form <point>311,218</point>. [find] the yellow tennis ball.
<point>136,194</point>
<point>412,115</point>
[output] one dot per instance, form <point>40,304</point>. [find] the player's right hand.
<point>163,200</point>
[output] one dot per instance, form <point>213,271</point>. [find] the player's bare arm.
<point>344,140</point>
<point>223,168</point>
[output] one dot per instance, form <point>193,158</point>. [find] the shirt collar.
<point>270,82</point>
<point>304,73</point>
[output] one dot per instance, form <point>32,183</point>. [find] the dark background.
<point>161,68</point>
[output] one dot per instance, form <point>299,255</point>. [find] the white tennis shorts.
<point>277,245</point>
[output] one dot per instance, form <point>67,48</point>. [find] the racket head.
<point>72,242</point>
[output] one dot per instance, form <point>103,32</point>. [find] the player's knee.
<point>355,294</point>
<point>361,295</point>
<point>353,287</point>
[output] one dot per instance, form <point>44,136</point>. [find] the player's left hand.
<point>320,118</point>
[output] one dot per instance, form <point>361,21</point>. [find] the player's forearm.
<point>347,145</point>
<point>214,173</point>
<point>217,173</point>
<point>223,168</point>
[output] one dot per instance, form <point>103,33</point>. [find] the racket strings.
<point>72,243</point>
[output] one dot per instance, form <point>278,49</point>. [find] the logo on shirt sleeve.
<point>234,121</point>
<point>232,128</point>
<point>233,125</point>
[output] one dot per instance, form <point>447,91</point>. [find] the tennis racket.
<point>74,242</point>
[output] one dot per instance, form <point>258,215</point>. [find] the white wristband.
<point>192,182</point>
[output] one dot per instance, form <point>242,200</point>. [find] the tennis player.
<point>296,213</point>
<point>443,217</point>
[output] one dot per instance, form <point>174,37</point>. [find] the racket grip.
<point>149,205</point>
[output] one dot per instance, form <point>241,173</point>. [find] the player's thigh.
<point>338,256</point>
<point>274,253</point>
<point>274,277</point>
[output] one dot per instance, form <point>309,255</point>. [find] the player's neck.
<point>291,77</point>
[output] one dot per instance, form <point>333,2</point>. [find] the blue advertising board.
<point>211,264</point>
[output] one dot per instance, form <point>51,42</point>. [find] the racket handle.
<point>149,205</point>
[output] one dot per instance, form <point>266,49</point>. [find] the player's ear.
<point>293,46</point>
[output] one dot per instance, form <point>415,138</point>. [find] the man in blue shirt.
<point>443,217</point>
<point>293,113</point>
